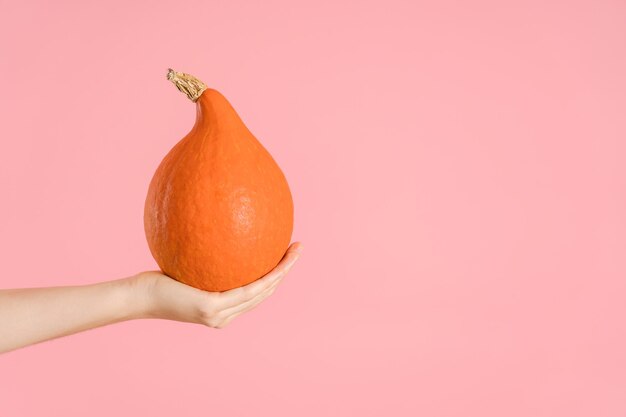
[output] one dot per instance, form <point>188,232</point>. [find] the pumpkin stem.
<point>188,84</point>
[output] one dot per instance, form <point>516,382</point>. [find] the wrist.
<point>156,295</point>
<point>137,294</point>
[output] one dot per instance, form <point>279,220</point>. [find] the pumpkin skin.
<point>219,212</point>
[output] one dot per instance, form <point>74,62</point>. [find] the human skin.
<point>33,315</point>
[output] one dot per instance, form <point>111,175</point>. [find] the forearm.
<point>33,315</point>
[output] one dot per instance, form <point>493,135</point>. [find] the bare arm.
<point>33,315</point>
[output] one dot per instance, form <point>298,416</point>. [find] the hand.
<point>33,315</point>
<point>166,298</point>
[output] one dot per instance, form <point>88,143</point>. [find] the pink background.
<point>459,181</point>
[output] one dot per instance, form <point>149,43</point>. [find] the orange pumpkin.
<point>219,212</point>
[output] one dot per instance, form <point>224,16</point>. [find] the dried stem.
<point>188,84</point>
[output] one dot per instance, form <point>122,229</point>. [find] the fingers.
<point>230,314</point>
<point>220,319</point>
<point>250,307</point>
<point>235,302</point>
<point>289,259</point>
<point>246,305</point>
<point>237,296</point>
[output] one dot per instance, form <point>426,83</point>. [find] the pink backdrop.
<point>459,182</point>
